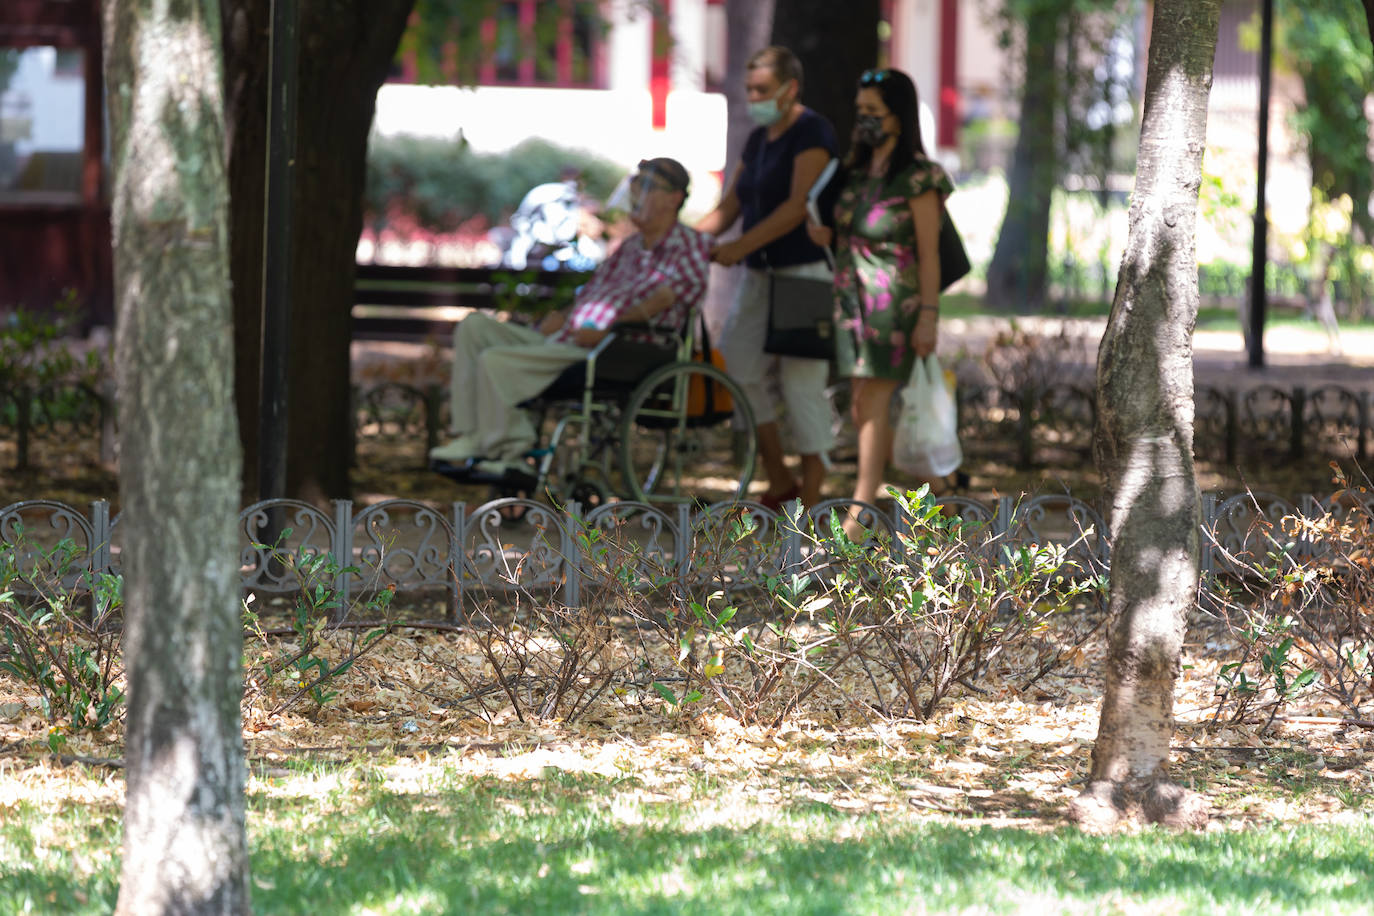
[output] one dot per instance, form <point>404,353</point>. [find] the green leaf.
<point>1304,678</point>
<point>665,692</point>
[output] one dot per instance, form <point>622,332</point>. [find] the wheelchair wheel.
<point>677,439</point>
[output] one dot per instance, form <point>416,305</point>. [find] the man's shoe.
<point>457,451</point>
<point>458,472</point>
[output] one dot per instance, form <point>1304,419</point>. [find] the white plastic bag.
<point>926,443</point>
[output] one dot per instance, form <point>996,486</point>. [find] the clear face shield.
<point>631,196</point>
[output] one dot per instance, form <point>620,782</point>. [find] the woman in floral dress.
<point>887,278</point>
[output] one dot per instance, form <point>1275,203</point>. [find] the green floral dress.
<point>877,283</point>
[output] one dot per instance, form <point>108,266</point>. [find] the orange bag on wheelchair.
<point>708,401</point>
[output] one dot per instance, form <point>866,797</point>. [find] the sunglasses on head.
<point>873,77</point>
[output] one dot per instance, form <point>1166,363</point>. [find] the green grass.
<point>584,844</point>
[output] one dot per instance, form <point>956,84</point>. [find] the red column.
<point>948,133</point>
<point>660,69</point>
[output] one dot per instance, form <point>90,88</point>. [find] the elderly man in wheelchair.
<point>632,325</point>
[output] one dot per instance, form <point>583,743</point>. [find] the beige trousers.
<point>802,381</point>
<point>496,365</point>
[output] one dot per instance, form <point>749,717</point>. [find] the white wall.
<point>628,46</point>
<point>915,50</point>
<point>614,124</point>
<point>689,44</point>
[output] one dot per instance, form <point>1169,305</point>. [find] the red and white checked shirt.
<point>680,261</point>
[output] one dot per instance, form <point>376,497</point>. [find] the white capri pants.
<point>802,380</point>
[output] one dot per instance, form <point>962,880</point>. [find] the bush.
<point>443,183</point>
<point>1303,613</point>
<point>68,653</point>
<point>40,379</point>
<point>883,629</point>
<point>278,675</point>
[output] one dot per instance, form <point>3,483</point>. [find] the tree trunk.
<point>1018,275</point>
<point>184,841</point>
<point>247,34</point>
<point>346,51</point>
<point>1144,436</point>
<point>835,43</point>
<point>1369,18</point>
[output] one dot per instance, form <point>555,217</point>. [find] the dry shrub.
<point>1302,613</point>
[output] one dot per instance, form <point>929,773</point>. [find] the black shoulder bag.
<point>801,311</point>
<point>954,263</point>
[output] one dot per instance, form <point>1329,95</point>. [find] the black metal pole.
<point>276,254</point>
<point>1258,294</point>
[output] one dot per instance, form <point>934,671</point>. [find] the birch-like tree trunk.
<point>1144,436</point>
<point>184,840</point>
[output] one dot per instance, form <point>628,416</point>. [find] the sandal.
<point>774,503</point>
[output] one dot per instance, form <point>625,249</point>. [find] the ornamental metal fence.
<point>1024,426</point>
<point>458,554</point>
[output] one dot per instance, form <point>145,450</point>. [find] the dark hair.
<point>899,95</point>
<point>781,61</point>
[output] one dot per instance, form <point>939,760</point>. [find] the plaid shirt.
<point>629,276</point>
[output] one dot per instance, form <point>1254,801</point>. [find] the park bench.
<point>416,303</point>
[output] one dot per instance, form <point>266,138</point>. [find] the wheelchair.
<point>647,416</point>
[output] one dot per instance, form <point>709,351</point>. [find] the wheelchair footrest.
<point>467,472</point>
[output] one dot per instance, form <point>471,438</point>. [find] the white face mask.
<point>768,112</point>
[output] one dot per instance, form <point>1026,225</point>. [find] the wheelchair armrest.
<point>663,338</point>
<point>596,351</point>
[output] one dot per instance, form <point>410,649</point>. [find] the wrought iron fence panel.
<point>527,546</point>
<point>1265,419</point>
<point>983,419</point>
<point>978,524</point>
<point>633,541</point>
<point>287,527</point>
<point>968,509</point>
<point>402,543</point>
<point>392,412</point>
<point>820,559</point>
<point>1248,530</point>
<point>1334,419</point>
<point>1339,524</point>
<point>38,526</point>
<point>517,545</point>
<point>1056,518</point>
<point>1064,416</point>
<point>1214,424</point>
<point>735,546</point>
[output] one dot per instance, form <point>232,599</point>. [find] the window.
<point>42,121</point>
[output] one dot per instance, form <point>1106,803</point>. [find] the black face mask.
<point>870,129</point>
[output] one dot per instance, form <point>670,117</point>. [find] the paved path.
<point>1294,356</point>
